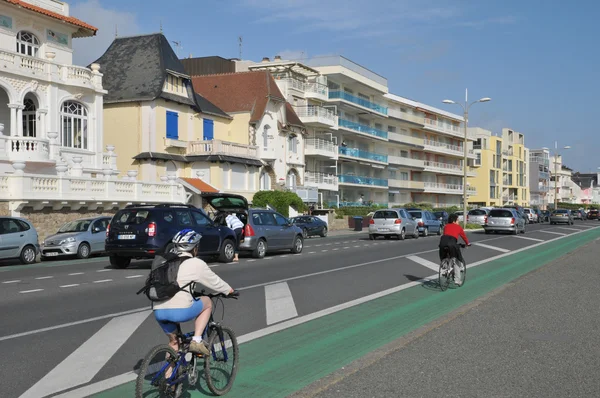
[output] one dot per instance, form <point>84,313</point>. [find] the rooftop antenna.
<point>116,31</point>
<point>240,44</point>
<point>161,29</point>
<point>178,46</point>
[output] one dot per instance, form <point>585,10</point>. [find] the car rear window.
<point>439,214</point>
<point>477,213</point>
<point>561,211</point>
<point>385,214</point>
<point>416,214</point>
<point>501,213</point>
<point>131,216</point>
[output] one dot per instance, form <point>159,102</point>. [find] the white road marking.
<point>528,238</point>
<point>279,303</point>
<point>86,361</point>
<point>347,247</point>
<point>31,291</point>
<point>268,258</point>
<point>73,285</point>
<point>357,246</point>
<point>491,247</point>
<point>284,256</point>
<point>251,261</point>
<point>103,281</point>
<point>103,270</point>
<point>328,244</point>
<point>44,277</point>
<point>425,263</point>
<point>568,229</point>
<point>15,281</point>
<point>77,273</point>
<point>134,276</point>
<point>550,232</point>
<point>323,251</point>
<point>318,245</point>
<point>337,248</point>
<point>311,252</point>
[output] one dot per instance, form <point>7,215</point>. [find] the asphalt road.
<point>58,315</point>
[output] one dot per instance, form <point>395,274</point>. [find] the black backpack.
<point>162,283</point>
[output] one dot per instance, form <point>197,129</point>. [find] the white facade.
<point>568,191</point>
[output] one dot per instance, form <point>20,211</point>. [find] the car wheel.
<point>371,237</point>
<point>260,250</point>
<point>83,251</point>
<point>324,232</point>
<point>304,233</point>
<point>402,235</point>
<point>516,231</point>
<point>487,232</point>
<point>227,251</point>
<point>298,245</point>
<point>119,262</point>
<point>28,255</point>
<point>439,232</point>
<point>426,232</point>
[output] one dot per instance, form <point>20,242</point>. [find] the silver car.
<point>477,216</point>
<point>80,238</point>
<point>560,216</point>
<point>18,239</point>
<point>267,231</point>
<point>393,222</point>
<point>504,220</point>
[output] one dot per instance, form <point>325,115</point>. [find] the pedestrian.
<point>234,223</point>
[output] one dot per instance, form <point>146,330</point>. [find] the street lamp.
<point>466,108</point>
<point>556,173</point>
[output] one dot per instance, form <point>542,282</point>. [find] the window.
<point>9,226</point>
<point>184,217</point>
<point>27,44</point>
<point>280,220</point>
<point>209,132</point>
<point>391,129</point>
<point>404,176</point>
<point>168,216</point>
<point>172,125</point>
<point>293,143</point>
<point>267,219</point>
<point>101,224</point>
<point>74,120</point>
<point>29,118</point>
<point>200,219</point>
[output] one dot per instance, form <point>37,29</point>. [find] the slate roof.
<point>84,31</point>
<point>197,158</point>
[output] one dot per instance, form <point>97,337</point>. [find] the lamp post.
<point>466,108</point>
<point>556,173</point>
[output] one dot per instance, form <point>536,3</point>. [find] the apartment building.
<point>561,184</point>
<point>539,177</point>
<point>500,168</point>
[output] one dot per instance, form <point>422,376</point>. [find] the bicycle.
<point>446,272</point>
<point>183,363</point>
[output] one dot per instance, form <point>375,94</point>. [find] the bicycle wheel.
<point>463,273</point>
<point>155,372</point>
<point>221,366</point>
<point>444,274</point>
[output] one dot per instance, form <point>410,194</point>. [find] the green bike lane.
<point>286,361</point>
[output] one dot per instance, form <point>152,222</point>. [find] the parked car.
<point>504,220</point>
<point>477,216</point>
<point>460,216</point>
<point>531,215</point>
<point>80,238</point>
<point>392,222</point>
<point>310,225</point>
<point>593,214</point>
<point>578,215</point>
<point>442,216</point>
<point>142,231</point>
<point>561,216</point>
<point>18,239</point>
<point>540,215</point>
<point>519,211</point>
<point>426,222</point>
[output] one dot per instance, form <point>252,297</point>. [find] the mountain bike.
<point>446,272</point>
<point>164,371</point>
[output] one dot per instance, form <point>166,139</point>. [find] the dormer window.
<point>175,85</point>
<point>27,44</point>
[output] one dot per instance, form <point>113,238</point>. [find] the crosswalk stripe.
<point>425,263</point>
<point>279,302</point>
<point>86,361</point>
<point>491,247</point>
<point>568,229</point>
<point>528,238</point>
<point>550,232</point>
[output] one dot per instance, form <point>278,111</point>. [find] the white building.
<point>561,183</point>
<point>52,153</point>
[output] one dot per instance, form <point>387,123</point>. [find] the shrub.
<point>279,200</point>
<point>357,210</point>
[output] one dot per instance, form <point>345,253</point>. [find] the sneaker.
<point>199,348</point>
<point>457,283</point>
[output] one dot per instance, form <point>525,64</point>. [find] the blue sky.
<point>536,59</point>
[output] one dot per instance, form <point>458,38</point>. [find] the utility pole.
<point>240,45</point>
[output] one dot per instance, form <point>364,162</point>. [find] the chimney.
<point>277,58</point>
<point>265,60</point>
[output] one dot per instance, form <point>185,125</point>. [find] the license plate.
<point>50,254</point>
<point>383,229</point>
<point>126,237</point>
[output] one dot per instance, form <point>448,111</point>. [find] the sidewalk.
<point>534,337</point>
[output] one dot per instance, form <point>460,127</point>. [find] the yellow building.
<point>501,168</point>
<point>164,129</point>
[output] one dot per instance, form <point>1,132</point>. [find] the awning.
<point>197,186</point>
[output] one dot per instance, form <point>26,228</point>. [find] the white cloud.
<point>87,50</point>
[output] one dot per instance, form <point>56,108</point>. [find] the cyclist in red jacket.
<point>449,241</point>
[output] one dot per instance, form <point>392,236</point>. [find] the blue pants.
<point>170,317</point>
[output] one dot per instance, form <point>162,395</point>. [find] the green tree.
<point>279,200</point>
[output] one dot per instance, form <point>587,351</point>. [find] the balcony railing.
<point>316,89</point>
<point>440,125</point>
<point>358,180</point>
<point>339,94</point>
<point>218,147</point>
<point>321,180</point>
<point>444,167</point>
<point>398,137</point>
<point>317,146</point>
<point>398,114</point>
<point>25,148</point>
<point>407,184</point>
<point>314,114</point>
<point>443,147</point>
<point>360,154</point>
<point>405,161</point>
<point>362,128</point>
<point>441,187</point>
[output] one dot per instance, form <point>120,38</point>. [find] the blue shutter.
<point>209,130</point>
<point>172,125</point>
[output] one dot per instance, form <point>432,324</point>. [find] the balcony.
<point>405,139</point>
<point>404,161</point>
<point>317,116</point>
<point>507,152</point>
<point>444,168</point>
<point>437,187</point>
<point>441,147</point>
<point>322,181</point>
<point>542,189</point>
<point>444,128</point>
<point>363,181</point>
<point>24,148</point>
<point>406,184</point>
<point>363,129</point>
<point>316,91</point>
<point>218,147</point>
<point>544,175</point>
<point>49,71</point>
<point>321,148</point>
<point>356,153</point>
<point>409,117</point>
<point>344,96</point>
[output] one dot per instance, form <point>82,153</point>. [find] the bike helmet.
<point>186,240</point>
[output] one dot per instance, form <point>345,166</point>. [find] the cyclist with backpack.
<point>449,241</point>
<point>170,286</point>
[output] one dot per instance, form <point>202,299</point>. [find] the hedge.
<point>279,200</point>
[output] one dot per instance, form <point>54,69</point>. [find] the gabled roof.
<point>240,92</point>
<point>291,116</point>
<point>85,29</point>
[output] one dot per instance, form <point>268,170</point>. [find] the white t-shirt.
<point>233,222</point>
<point>192,270</point>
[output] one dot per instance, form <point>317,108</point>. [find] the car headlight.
<point>68,240</point>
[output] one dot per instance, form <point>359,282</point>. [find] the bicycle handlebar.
<point>234,295</point>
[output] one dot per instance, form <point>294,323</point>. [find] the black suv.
<point>142,231</point>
